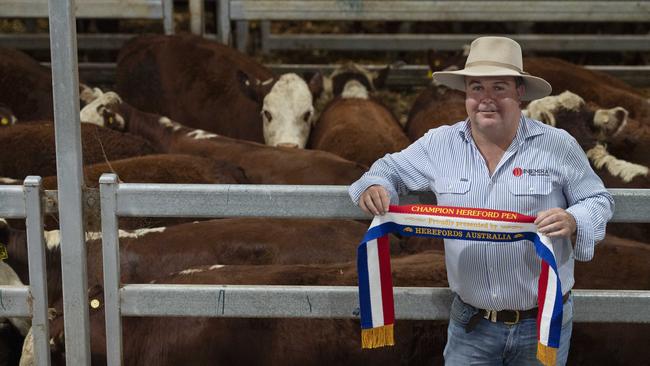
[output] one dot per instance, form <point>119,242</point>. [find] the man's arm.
<point>392,175</point>
<point>588,202</point>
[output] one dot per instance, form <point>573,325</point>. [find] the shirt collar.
<point>527,129</point>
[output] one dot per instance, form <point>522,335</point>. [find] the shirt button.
<point>531,189</point>
<point>494,295</point>
<point>449,186</point>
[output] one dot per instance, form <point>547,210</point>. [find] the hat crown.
<point>495,51</point>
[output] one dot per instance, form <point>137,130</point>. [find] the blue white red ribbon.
<point>373,264</point>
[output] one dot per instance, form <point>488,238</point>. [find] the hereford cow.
<point>273,341</point>
<point>592,86</point>
<point>594,128</point>
<point>147,254</point>
<point>357,127</point>
<point>207,85</point>
<point>334,83</point>
<point>261,164</point>
<point>292,341</point>
<point>28,149</point>
<point>435,106</point>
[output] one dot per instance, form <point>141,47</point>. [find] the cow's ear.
<point>380,81</point>
<point>249,86</point>
<point>316,85</point>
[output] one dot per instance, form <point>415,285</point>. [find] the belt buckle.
<point>516,320</point>
<point>491,315</point>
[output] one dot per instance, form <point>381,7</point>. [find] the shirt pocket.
<point>449,185</point>
<point>530,196</point>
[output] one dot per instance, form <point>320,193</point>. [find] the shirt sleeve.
<point>398,172</point>
<point>589,202</point>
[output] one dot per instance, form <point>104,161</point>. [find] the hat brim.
<point>536,88</point>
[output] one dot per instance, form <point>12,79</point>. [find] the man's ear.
<point>521,91</point>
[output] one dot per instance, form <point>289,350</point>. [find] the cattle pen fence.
<point>19,202</point>
<point>510,11</point>
<point>199,200</point>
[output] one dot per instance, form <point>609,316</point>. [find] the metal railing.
<point>89,9</point>
<point>441,11</point>
<point>28,301</point>
<point>198,200</point>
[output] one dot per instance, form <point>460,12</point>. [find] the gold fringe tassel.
<point>377,337</point>
<point>546,355</point>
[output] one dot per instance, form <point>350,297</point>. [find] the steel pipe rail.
<point>419,303</point>
<point>169,200</point>
<point>497,11</point>
<point>237,200</point>
<point>29,301</point>
<point>408,76</point>
<point>85,8</point>
<point>455,42</point>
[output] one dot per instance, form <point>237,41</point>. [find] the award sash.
<point>373,265</point>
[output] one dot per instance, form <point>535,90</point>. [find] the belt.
<point>508,317</point>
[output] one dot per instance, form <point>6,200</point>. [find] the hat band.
<point>493,63</point>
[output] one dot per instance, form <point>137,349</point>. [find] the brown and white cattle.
<point>173,341</point>
<point>148,254</point>
<point>28,149</point>
<point>593,86</point>
<point>336,341</point>
<point>594,128</point>
<point>357,127</point>
<point>204,84</point>
<point>261,164</point>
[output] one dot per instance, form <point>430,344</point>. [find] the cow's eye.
<point>306,116</point>
<point>267,115</point>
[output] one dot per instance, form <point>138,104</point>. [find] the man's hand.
<point>555,222</point>
<point>375,200</point>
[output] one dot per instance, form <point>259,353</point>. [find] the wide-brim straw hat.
<point>494,56</point>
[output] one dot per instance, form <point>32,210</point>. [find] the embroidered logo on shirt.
<point>518,172</point>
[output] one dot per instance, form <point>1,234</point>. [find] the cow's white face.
<point>100,111</point>
<point>287,113</point>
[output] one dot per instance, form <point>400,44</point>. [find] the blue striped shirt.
<point>543,168</point>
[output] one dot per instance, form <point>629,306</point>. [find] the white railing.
<point>198,200</point>
<point>28,301</point>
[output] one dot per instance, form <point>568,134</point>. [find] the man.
<point>498,159</point>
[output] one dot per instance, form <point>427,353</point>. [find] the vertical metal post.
<point>111,254</point>
<point>65,84</point>
<point>241,34</point>
<point>168,16</point>
<point>197,17</point>
<point>37,270</point>
<point>265,29</point>
<point>224,20</point>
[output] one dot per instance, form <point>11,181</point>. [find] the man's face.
<point>492,101</point>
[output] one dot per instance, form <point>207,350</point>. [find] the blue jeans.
<point>497,343</point>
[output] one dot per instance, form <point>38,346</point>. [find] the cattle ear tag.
<point>3,252</point>
<point>94,303</point>
<point>4,121</point>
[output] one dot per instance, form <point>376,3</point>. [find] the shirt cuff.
<point>585,243</point>
<point>358,187</point>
